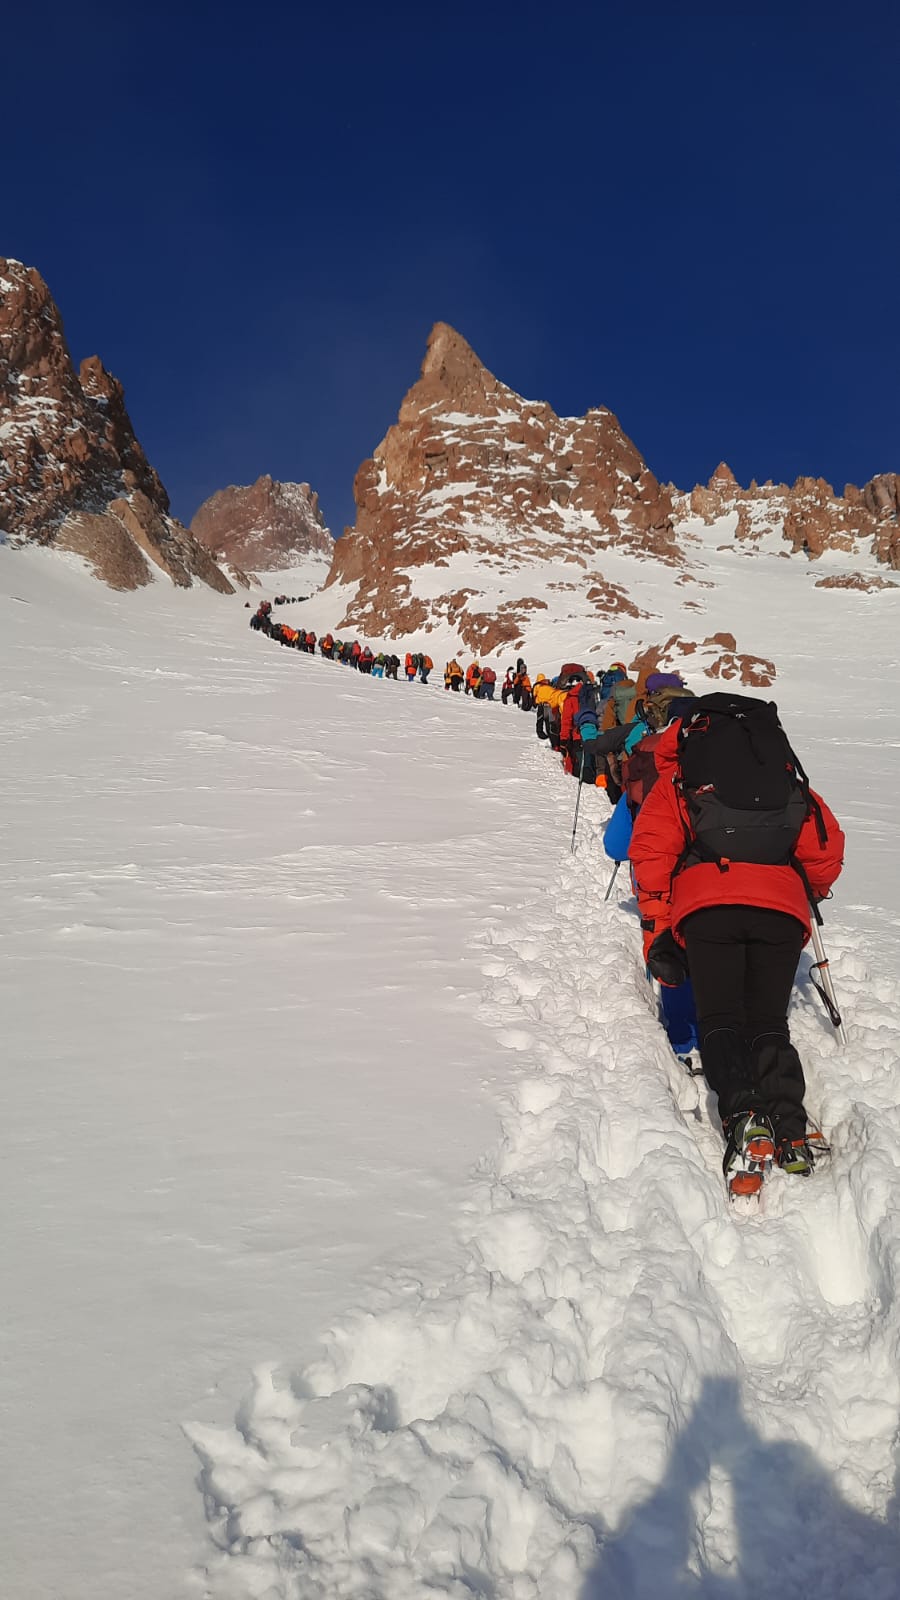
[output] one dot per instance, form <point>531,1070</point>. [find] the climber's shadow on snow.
<point>737,1515</point>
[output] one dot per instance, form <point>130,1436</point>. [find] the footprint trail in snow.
<point>627,1389</point>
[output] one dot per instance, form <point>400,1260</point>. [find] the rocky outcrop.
<point>473,473</point>
<point>72,473</point>
<point>717,656</point>
<point>264,526</point>
<point>807,516</point>
<point>881,498</point>
<point>864,582</point>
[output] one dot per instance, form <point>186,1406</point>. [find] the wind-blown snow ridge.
<point>626,1389</point>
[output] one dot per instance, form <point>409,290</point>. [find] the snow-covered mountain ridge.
<point>730,612</point>
<point>484,520</point>
<point>808,517</point>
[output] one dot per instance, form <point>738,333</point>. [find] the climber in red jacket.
<point>737,927</point>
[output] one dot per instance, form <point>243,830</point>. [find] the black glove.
<point>666,960</point>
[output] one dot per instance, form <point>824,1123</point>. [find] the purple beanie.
<point>663,680</point>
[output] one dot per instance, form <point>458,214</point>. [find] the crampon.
<point>749,1154</point>
<point>800,1157</point>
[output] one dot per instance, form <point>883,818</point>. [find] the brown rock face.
<point>264,526</point>
<point>867,583</point>
<point>472,472</point>
<point>882,498</point>
<point>72,473</point>
<point>809,516</point>
<point>719,658</point>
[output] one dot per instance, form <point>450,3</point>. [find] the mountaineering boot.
<point>817,1145</point>
<point>749,1151</point>
<point>794,1156</point>
<point>799,1156</point>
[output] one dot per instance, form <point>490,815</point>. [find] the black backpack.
<point>746,794</point>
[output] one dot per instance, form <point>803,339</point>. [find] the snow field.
<point>627,1387</point>
<point>278,938</point>
<point>242,1070</point>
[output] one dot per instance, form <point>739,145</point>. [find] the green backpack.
<point>622,696</point>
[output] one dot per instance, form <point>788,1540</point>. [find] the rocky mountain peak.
<point>73,473</point>
<point>264,526</point>
<point>454,378</point>
<point>473,471</point>
<point>34,359</point>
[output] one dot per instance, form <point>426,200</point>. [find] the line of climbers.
<point>730,855</point>
<point>349,652</point>
<point>574,701</point>
<point>481,682</point>
<point>477,680</point>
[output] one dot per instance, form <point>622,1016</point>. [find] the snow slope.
<point>767,599</point>
<point>281,941</point>
<point>306,575</point>
<point>624,1389</point>
<point>238,982</point>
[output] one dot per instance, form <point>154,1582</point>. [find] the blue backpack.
<point>586,716</point>
<point>617,834</point>
<point>609,681</point>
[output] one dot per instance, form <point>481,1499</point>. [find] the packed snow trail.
<point>627,1388</point>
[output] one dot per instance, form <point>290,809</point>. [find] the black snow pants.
<point>742,962</point>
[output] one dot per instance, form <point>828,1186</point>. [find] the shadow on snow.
<point>786,1528</point>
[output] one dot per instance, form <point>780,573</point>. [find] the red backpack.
<point>639,772</point>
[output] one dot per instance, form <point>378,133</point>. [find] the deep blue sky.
<point>254,214</point>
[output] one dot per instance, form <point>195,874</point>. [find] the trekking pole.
<point>609,886</point>
<point>577,802</point>
<point>825,989</point>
